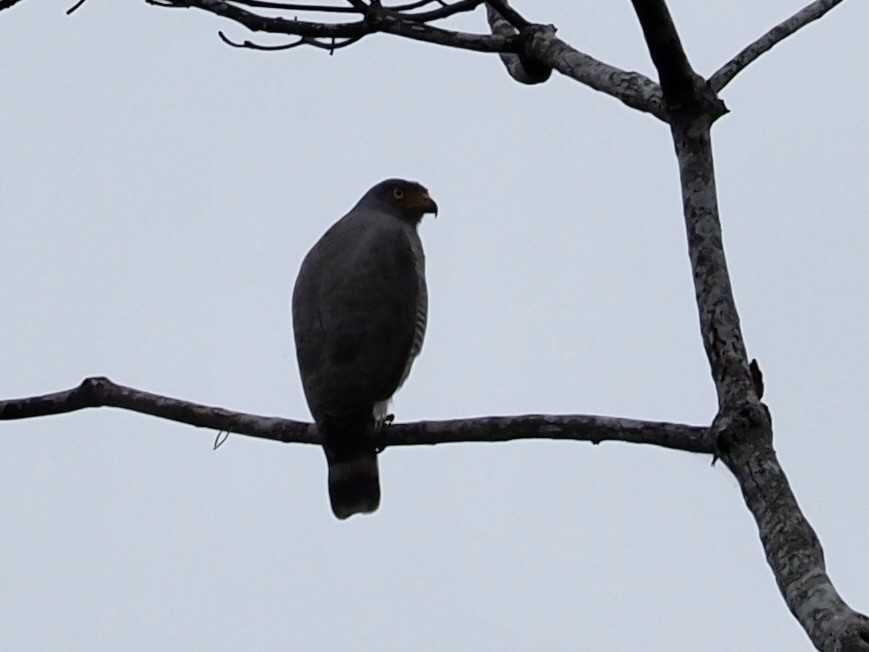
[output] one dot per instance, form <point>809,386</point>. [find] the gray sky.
<point>158,191</point>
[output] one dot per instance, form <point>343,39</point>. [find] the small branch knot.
<point>752,415</point>
<point>740,424</point>
<point>93,389</point>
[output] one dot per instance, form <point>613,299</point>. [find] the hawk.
<point>359,315</point>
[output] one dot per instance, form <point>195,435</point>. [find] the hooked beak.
<point>427,204</point>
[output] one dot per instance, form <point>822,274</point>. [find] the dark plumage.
<point>359,314</point>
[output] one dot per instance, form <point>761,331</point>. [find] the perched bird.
<point>359,314</point>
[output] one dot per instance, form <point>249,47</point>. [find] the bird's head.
<point>407,200</point>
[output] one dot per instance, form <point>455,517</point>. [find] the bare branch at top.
<point>530,52</point>
<point>409,20</point>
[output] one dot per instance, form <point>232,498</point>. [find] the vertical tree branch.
<point>692,109</point>
<point>742,426</point>
<point>719,321</point>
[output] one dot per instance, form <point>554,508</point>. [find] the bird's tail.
<point>348,441</point>
<point>354,485</point>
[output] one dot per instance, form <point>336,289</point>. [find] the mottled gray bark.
<point>636,90</point>
<point>791,545</point>
<point>719,321</point>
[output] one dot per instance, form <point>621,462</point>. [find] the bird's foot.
<point>379,435</point>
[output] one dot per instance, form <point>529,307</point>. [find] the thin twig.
<point>330,45</point>
<point>74,7</point>
<point>250,45</point>
<point>411,6</point>
<point>765,43</point>
<point>444,11</point>
<point>325,9</point>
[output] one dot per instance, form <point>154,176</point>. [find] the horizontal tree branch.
<point>98,392</point>
<point>765,43</point>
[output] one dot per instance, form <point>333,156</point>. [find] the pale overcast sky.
<point>158,191</point>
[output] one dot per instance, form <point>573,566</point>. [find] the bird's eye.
<point>398,193</point>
